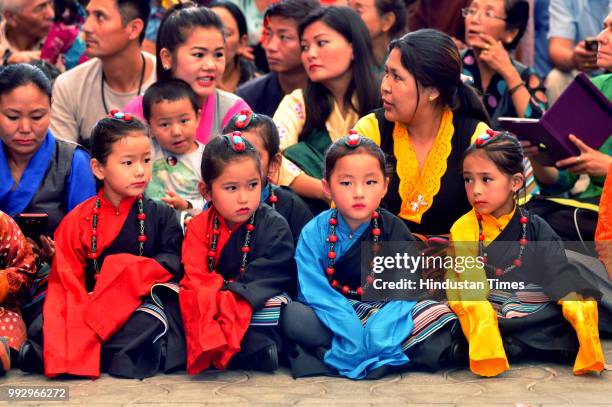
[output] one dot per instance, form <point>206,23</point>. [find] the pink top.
<point>216,112</point>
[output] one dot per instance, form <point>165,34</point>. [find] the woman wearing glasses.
<point>493,28</point>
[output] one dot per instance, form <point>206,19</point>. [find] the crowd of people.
<point>230,170</point>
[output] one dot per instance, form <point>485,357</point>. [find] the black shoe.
<point>265,360</point>
<point>516,351</point>
<point>28,359</point>
<point>458,354</point>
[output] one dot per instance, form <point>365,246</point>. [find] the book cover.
<point>581,110</point>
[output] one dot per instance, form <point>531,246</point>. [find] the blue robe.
<point>79,185</point>
<point>356,350</point>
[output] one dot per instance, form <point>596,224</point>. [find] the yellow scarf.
<point>418,189</point>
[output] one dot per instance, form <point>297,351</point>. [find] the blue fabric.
<point>81,182</point>
<point>265,192</point>
<point>541,24</point>
<point>577,19</point>
<point>356,350</point>
<point>75,52</point>
<point>157,13</point>
<point>80,185</point>
<point>15,201</point>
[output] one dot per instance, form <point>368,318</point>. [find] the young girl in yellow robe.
<point>531,302</point>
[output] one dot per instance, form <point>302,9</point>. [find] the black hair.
<point>263,126</point>
<point>219,152</point>
<point>238,17</point>
<point>17,75</point>
<point>169,90</point>
<point>504,150</point>
<point>236,13</point>
<point>293,9</point>
<point>108,131</point>
<point>433,59</point>
<point>340,149</point>
<point>69,11</point>
<point>517,16</point>
<point>318,99</point>
<point>133,9</point>
<point>176,26</point>
<point>398,8</point>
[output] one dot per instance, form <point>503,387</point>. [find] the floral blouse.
<point>496,98</point>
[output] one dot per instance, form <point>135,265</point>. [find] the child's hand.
<point>175,201</point>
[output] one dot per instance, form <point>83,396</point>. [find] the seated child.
<point>238,258</point>
<point>171,110</point>
<point>334,330</point>
<point>17,271</point>
<point>262,133</point>
<point>545,309</point>
<point>110,250</point>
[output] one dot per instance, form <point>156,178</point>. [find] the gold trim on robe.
<point>417,189</point>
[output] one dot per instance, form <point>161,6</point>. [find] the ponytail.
<point>468,103</point>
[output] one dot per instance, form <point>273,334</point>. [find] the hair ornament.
<point>353,140</point>
<point>243,119</point>
<point>236,142</point>
<point>484,139</point>
<point>116,114</point>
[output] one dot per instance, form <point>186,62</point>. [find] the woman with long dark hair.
<point>338,92</point>
<point>191,47</point>
<point>428,119</point>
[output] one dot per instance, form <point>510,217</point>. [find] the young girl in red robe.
<point>238,258</point>
<point>261,131</point>
<point>100,312</point>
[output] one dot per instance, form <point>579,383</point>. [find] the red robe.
<point>76,323</point>
<point>215,321</point>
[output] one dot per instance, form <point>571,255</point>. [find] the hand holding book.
<point>590,161</point>
<point>583,111</point>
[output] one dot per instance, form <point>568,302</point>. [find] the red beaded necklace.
<point>331,254</point>
<point>212,249</point>
<point>516,263</point>
<point>142,237</point>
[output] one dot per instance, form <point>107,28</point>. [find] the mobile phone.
<point>591,44</point>
<point>33,225</point>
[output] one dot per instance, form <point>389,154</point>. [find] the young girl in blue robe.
<point>332,328</point>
